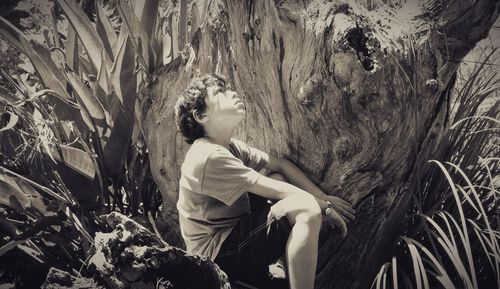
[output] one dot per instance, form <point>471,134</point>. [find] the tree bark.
<point>349,94</point>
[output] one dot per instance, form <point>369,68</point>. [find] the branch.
<point>459,24</point>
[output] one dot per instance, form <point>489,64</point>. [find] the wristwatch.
<point>328,209</point>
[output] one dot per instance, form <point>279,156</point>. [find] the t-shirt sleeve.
<point>226,178</point>
<point>252,157</point>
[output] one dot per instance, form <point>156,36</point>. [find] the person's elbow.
<point>278,165</point>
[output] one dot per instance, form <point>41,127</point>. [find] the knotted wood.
<point>348,93</point>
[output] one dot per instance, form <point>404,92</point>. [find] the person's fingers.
<point>332,221</point>
<point>338,202</point>
<point>350,210</point>
<point>348,215</point>
<point>343,228</point>
<point>344,213</point>
<point>337,219</point>
<point>347,207</point>
<point>342,201</point>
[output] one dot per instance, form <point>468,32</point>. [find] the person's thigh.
<point>257,241</point>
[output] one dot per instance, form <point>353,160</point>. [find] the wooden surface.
<point>347,94</point>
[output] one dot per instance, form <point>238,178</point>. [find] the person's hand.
<point>343,208</point>
<point>341,214</point>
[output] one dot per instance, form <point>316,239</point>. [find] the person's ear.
<point>200,117</point>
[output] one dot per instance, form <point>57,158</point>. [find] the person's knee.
<point>311,213</point>
<point>277,176</point>
<point>301,209</point>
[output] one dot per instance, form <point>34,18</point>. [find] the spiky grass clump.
<point>452,240</point>
<point>455,251</point>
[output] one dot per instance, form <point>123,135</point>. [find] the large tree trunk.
<point>348,94</point>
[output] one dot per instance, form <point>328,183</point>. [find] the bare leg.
<point>277,176</point>
<point>304,214</point>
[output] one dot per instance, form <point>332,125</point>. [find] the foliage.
<point>71,147</point>
<point>452,236</point>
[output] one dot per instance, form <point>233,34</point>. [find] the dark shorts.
<point>256,242</point>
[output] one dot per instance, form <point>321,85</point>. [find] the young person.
<point>220,174</point>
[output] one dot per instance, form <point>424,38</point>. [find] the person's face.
<point>223,105</point>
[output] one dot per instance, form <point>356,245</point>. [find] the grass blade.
<point>378,278</point>
<point>464,233</point>
<point>394,273</point>
<point>415,257</point>
<point>475,117</point>
<point>467,198</point>
<point>442,276</point>
<point>480,237</point>
<point>483,214</point>
<point>450,248</point>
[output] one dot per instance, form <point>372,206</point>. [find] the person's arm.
<point>277,190</point>
<point>295,176</point>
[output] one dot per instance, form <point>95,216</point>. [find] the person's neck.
<point>220,137</point>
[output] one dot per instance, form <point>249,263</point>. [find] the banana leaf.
<point>46,69</point>
<point>166,49</point>
<point>183,35</point>
<point>147,13</point>
<point>204,10</point>
<point>8,96</point>
<point>71,50</point>
<point>137,34</point>
<point>101,88</point>
<point>105,29</point>
<point>174,26</point>
<point>89,104</point>
<point>123,78</point>
<point>85,31</point>
<point>77,160</point>
<point>53,25</point>
<point>85,66</point>
<point>20,196</point>
<point>195,18</point>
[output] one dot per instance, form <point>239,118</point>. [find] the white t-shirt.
<point>213,192</point>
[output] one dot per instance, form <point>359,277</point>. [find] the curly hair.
<point>191,100</point>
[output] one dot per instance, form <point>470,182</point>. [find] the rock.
<point>57,279</point>
<point>132,257</point>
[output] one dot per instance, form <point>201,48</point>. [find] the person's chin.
<point>241,116</point>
